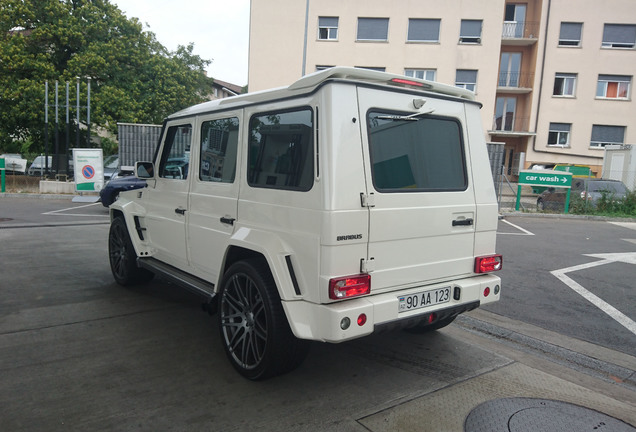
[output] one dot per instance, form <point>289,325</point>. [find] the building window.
<point>604,135</point>
<point>423,30</point>
<point>425,74</point>
<point>619,36</point>
<point>373,68</point>
<point>559,135</point>
<point>564,84</point>
<point>470,32</point>
<point>514,21</point>
<point>467,79</point>
<point>373,29</point>
<point>510,69</point>
<point>505,113</point>
<point>570,34</point>
<point>328,28</point>
<point>613,86</point>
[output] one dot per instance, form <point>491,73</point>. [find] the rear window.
<point>416,154</point>
<point>609,187</point>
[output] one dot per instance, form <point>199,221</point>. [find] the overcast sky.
<point>218,28</point>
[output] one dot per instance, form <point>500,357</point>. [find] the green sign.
<point>545,178</point>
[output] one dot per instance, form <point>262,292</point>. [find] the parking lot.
<point>79,352</point>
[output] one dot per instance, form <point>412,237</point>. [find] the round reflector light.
<point>362,319</point>
<point>487,292</point>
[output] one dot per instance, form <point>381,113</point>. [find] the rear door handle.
<point>180,211</point>
<point>226,220</point>
<point>462,222</point>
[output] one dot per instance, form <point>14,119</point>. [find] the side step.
<point>181,278</point>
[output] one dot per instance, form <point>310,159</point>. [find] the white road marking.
<point>60,211</point>
<point>523,231</point>
<point>618,316</point>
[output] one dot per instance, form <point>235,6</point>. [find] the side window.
<point>416,155</point>
<point>219,141</point>
<point>280,153</point>
<point>175,159</point>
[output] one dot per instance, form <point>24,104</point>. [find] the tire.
<point>540,205</point>
<point>122,256</point>
<point>425,328</point>
<point>254,329</point>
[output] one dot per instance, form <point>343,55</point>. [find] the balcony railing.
<point>511,124</point>
<point>520,30</point>
<point>515,80</point>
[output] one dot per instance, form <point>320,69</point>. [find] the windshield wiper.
<point>410,117</point>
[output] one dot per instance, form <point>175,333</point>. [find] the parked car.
<point>110,192</point>
<point>111,167</point>
<point>380,213</point>
<point>589,189</point>
<point>38,167</point>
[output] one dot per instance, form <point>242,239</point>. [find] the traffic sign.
<point>545,178</point>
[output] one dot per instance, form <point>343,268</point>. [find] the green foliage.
<point>607,205</point>
<point>133,77</point>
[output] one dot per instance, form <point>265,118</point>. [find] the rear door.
<point>421,200</point>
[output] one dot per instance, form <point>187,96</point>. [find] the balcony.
<point>511,126</point>
<point>520,33</point>
<point>515,82</point>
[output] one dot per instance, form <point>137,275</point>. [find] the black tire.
<point>540,205</point>
<point>254,329</point>
<point>425,328</point>
<point>122,256</point>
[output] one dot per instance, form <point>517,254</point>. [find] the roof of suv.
<point>310,82</point>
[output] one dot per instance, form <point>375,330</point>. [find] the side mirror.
<point>144,170</point>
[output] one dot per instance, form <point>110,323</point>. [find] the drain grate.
<point>539,415</point>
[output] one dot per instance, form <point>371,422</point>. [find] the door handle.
<point>463,222</point>
<point>180,211</point>
<point>227,220</point>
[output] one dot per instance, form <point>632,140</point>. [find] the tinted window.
<point>281,150</point>
<point>420,154</point>
<point>219,141</point>
<point>175,158</point>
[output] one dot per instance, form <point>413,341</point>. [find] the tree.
<point>133,77</point>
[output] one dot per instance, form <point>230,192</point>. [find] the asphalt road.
<point>79,352</point>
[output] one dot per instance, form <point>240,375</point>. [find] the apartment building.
<point>554,76</point>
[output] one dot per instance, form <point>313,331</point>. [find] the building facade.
<point>554,76</point>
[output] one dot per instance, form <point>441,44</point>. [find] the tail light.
<point>349,286</point>
<point>490,263</point>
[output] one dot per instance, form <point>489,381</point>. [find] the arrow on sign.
<point>618,316</point>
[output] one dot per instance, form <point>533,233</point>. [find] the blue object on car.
<point>111,190</point>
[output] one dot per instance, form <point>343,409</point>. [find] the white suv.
<point>347,203</point>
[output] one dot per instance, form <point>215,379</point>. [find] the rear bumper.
<point>324,322</point>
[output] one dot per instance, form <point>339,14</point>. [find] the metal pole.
<point>68,132</point>
<point>305,41</point>
<point>57,130</point>
<point>77,128</point>
<point>88,113</point>
<point>46,124</point>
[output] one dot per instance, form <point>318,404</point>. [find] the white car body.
<point>358,204</point>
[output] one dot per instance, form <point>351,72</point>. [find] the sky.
<point>219,30</point>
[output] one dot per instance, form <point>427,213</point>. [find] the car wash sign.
<point>89,170</point>
<point>555,179</point>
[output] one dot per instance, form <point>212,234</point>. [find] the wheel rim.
<point>117,251</point>
<point>243,321</point>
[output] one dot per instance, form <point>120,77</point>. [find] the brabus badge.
<point>349,237</point>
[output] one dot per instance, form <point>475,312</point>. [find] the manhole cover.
<point>540,415</point>
<point>5,219</point>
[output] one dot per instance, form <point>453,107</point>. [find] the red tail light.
<point>490,263</point>
<point>349,286</point>
<point>407,82</point>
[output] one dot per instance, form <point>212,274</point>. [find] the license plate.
<point>423,299</point>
